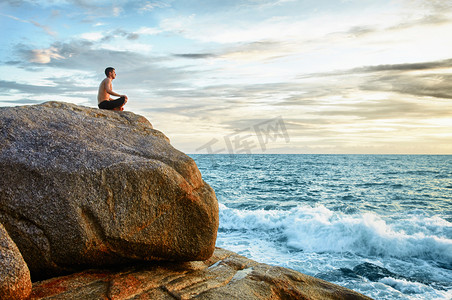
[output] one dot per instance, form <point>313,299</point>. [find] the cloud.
<point>195,55</point>
<point>398,68</point>
<point>44,56</point>
<point>117,10</point>
<point>423,79</point>
<point>93,36</point>
<point>360,30</point>
<point>438,86</point>
<point>21,101</point>
<point>253,51</point>
<point>46,29</point>
<point>263,50</point>
<point>123,33</point>
<point>111,35</point>
<point>15,93</point>
<point>405,67</point>
<point>421,12</point>
<point>425,20</point>
<point>15,2</point>
<point>386,109</point>
<point>77,54</point>
<point>148,31</point>
<point>436,6</point>
<point>152,5</point>
<point>8,86</point>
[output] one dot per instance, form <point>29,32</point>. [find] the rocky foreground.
<point>224,276</point>
<point>103,196</point>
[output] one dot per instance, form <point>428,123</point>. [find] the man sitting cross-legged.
<point>104,100</point>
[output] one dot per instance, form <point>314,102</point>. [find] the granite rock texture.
<point>85,188</point>
<point>225,276</point>
<point>15,282</point>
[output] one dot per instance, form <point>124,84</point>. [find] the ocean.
<point>378,224</point>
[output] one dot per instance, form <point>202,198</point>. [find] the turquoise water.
<point>378,224</point>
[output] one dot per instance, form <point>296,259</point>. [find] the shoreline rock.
<point>224,276</point>
<point>83,187</point>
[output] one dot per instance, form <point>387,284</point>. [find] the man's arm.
<point>108,89</point>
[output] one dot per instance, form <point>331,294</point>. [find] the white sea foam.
<point>416,289</point>
<point>318,229</point>
<point>404,286</point>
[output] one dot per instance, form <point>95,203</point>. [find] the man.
<point>104,100</point>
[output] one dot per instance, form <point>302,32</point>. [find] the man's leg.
<point>113,104</point>
<point>119,103</point>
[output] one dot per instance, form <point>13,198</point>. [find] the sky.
<point>248,76</point>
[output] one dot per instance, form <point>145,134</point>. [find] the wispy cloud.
<point>195,55</point>
<point>8,86</point>
<point>423,79</point>
<point>45,28</point>
<point>152,5</point>
<point>394,68</point>
<point>420,66</point>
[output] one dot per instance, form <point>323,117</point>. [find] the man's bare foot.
<point>119,108</point>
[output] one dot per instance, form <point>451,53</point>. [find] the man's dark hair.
<point>108,70</point>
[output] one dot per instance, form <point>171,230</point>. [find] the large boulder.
<point>225,276</point>
<point>15,282</point>
<point>83,187</point>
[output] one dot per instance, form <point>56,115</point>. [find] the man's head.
<point>110,72</point>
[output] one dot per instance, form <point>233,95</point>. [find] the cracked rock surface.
<point>82,188</point>
<point>226,275</point>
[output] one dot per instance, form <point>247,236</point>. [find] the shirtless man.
<point>104,101</point>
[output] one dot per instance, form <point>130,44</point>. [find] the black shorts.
<point>111,104</point>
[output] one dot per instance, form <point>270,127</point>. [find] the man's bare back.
<point>102,95</point>
<point>104,101</point>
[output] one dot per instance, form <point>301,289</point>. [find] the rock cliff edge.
<point>83,187</point>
